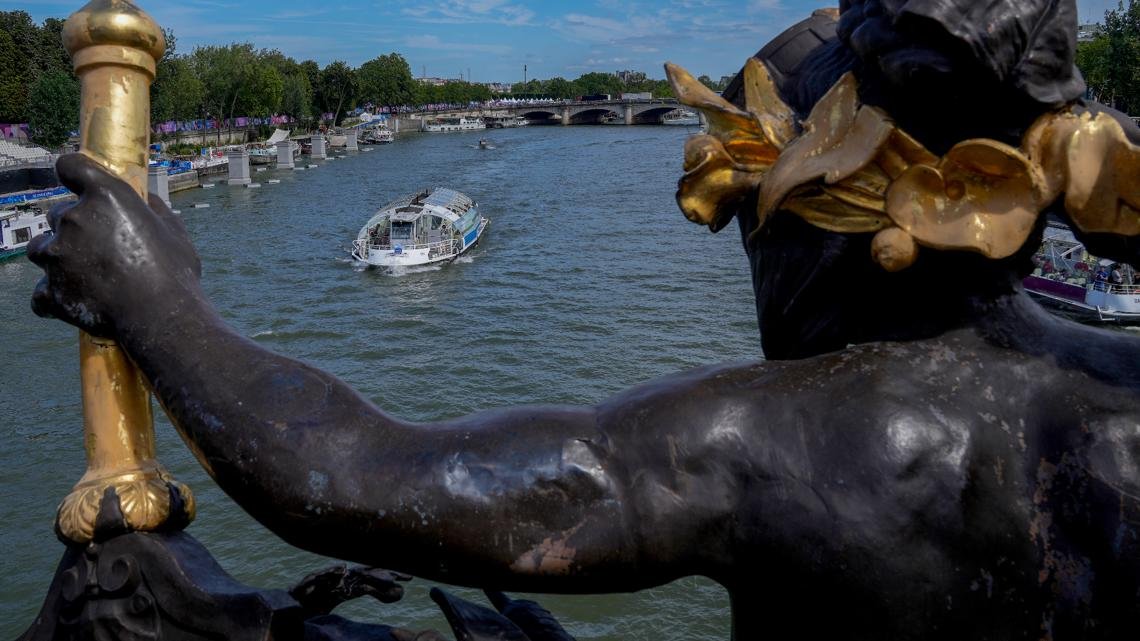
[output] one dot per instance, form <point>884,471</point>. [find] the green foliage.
<point>455,92</point>
<point>53,108</point>
<point>177,93</point>
<point>27,52</point>
<point>559,87</point>
<point>386,80</point>
<point>13,82</point>
<point>237,80</point>
<point>336,89</point>
<point>183,149</point>
<point>1111,61</point>
<point>597,82</point>
<point>297,95</point>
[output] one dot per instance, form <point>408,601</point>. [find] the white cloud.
<point>472,11</point>
<point>435,43</point>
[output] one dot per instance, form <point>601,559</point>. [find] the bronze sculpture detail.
<point>926,453</point>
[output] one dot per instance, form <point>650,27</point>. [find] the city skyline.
<point>491,40</point>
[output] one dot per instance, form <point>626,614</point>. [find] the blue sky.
<point>491,38</point>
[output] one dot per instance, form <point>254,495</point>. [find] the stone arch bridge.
<point>630,112</point>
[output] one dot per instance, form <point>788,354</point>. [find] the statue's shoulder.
<point>784,53</point>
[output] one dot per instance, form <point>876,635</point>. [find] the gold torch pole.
<point>115,47</point>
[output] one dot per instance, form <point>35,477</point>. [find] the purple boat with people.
<point>1069,279</point>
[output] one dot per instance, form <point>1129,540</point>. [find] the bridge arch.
<point>542,116</point>
<point>651,115</point>
<point>593,115</point>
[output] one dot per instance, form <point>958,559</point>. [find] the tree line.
<point>37,85</point>
<point>1110,61</point>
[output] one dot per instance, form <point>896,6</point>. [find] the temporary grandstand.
<point>17,155</point>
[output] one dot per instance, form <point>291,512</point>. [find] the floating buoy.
<point>252,185</point>
<point>207,185</point>
<point>201,205</point>
<point>273,181</point>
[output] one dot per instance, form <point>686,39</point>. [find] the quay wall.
<point>183,181</point>
<point>25,178</point>
<point>211,138</point>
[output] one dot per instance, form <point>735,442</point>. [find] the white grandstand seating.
<point>15,154</point>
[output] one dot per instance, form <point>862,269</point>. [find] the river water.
<point>589,280</point>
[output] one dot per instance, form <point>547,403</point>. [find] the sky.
<point>491,40</point>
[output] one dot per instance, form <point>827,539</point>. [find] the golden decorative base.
<point>144,501</point>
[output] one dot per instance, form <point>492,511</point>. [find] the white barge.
<point>17,228</point>
<point>453,124</point>
<point>430,226</point>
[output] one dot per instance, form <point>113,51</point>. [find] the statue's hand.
<point>111,256</point>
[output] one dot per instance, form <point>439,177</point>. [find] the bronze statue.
<point>925,453</point>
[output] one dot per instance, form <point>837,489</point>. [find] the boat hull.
<point>8,254</point>
<point>1109,304</point>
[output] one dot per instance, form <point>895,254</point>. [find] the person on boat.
<point>1100,279</point>
<point>925,454</point>
<point>1115,276</point>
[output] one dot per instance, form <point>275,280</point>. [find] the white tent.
<point>278,136</point>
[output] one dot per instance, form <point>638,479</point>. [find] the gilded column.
<point>115,47</point>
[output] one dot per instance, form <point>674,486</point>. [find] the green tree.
<point>596,82</point>
<point>237,81</point>
<point>532,87</point>
<point>297,96</point>
<point>26,36</point>
<point>559,87</point>
<point>53,108</point>
<point>386,80</point>
<point>50,54</point>
<point>13,81</point>
<point>177,93</point>
<point>312,73</point>
<point>337,89</point>
<point>1111,61</point>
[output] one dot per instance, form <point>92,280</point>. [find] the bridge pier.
<point>285,154</point>
<point>628,114</point>
<point>566,115</point>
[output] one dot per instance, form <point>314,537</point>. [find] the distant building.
<point>438,82</point>
<point>1088,32</point>
<point>498,87</point>
<point>723,82</point>
<point>630,77</point>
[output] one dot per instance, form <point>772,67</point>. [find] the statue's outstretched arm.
<point>527,498</point>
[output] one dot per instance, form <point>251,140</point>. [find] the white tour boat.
<point>453,124</point>
<point>429,226</point>
<point>1069,279</point>
<point>17,228</point>
<point>378,136</point>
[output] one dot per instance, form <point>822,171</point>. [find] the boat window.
<point>22,235</point>
<point>436,222</point>
<point>401,231</point>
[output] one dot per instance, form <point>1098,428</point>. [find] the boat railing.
<point>364,245</point>
<point>1120,290</point>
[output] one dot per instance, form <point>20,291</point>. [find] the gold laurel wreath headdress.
<point>848,168</point>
